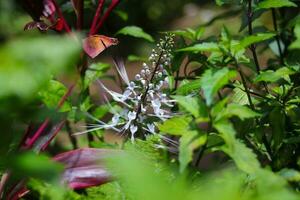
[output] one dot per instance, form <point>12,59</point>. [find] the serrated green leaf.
<point>205,46</point>
<point>252,39</point>
<point>95,71</point>
<point>277,123</point>
<point>239,95</point>
<point>290,174</point>
<point>52,94</point>
<point>187,144</point>
<point>199,32</point>
<point>189,86</point>
<point>190,104</point>
<point>243,157</point>
<point>271,76</point>
<point>296,43</point>
<point>135,31</point>
<point>176,125</point>
<point>275,4</point>
<point>212,81</point>
<point>240,111</point>
<point>185,33</point>
<point>225,128</point>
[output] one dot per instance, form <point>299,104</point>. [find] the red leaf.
<point>95,44</point>
<point>84,167</point>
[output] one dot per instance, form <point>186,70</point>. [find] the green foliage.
<point>52,94</point>
<point>275,4</point>
<point>27,64</point>
<point>230,102</point>
<point>95,71</point>
<point>296,43</point>
<point>176,125</point>
<point>271,76</point>
<point>212,81</point>
<point>135,31</point>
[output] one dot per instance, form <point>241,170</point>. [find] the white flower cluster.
<point>143,99</point>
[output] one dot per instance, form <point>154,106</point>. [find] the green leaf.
<point>33,165</point>
<point>189,86</point>
<point>52,94</point>
<point>291,175</point>
<point>199,32</point>
<point>135,58</point>
<point>240,111</point>
<point>176,125</point>
<point>123,15</point>
<point>277,122</point>
<point>243,157</point>
<point>252,39</point>
<point>188,143</point>
<point>271,76</point>
<point>205,46</point>
<point>28,64</point>
<point>95,71</point>
<point>296,43</point>
<point>135,31</point>
<point>239,95</point>
<point>212,81</point>
<point>193,105</point>
<point>275,4</point>
<point>185,33</point>
<point>225,128</point>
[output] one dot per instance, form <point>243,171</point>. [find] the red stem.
<point>80,15</point>
<point>61,16</point>
<point>113,4</point>
<point>46,122</point>
<point>96,16</point>
<point>57,129</point>
<point>37,134</point>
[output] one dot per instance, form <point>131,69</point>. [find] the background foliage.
<point>233,131</point>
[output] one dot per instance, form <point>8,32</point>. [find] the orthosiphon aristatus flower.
<point>143,100</point>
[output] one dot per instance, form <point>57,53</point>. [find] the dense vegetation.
<point>211,113</point>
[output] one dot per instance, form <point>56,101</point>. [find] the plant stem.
<point>61,16</point>
<point>277,34</point>
<point>43,126</point>
<point>244,84</point>
<point>200,155</point>
<point>80,10</point>
<point>72,139</point>
<point>151,79</point>
<point>253,46</point>
<point>250,32</point>
<point>96,16</point>
<point>113,4</point>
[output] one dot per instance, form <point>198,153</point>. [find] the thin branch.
<point>80,11</point>
<point>244,83</point>
<point>253,46</point>
<point>43,126</point>
<point>96,16</point>
<point>72,139</point>
<point>277,35</point>
<point>113,4</point>
<point>61,16</point>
